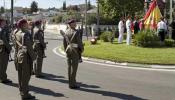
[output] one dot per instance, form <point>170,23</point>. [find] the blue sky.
<point>44,3</point>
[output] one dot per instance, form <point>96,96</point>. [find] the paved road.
<point>97,82</point>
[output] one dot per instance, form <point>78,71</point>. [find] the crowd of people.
<point>28,41</point>
<point>134,26</point>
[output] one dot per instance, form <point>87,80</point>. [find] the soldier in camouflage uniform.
<point>73,47</point>
<point>25,57</point>
<point>5,49</point>
<point>39,47</point>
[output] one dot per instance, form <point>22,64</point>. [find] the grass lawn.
<point>124,53</point>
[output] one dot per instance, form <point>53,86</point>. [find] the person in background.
<point>173,29</point>
<point>39,46</point>
<point>141,25</point>
<point>129,31</point>
<point>136,25</point>
<point>121,30</point>
<point>162,28</point>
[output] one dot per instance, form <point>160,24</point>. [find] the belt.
<point>72,46</point>
<point>36,41</point>
<point>1,42</point>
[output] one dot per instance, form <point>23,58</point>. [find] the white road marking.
<point>116,66</point>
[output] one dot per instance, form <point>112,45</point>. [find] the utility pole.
<point>4,6</point>
<point>171,11</point>
<point>12,6</point>
<point>98,19</point>
<point>86,19</point>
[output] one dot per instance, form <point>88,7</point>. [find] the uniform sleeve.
<point>41,40</point>
<point>28,43</point>
<point>64,44</point>
<point>80,43</point>
<point>6,42</point>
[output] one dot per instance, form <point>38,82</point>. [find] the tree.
<point>89,5</point>
<point>64,5</point>
<point>34,7</point>
<point>117,8</point>
<point>73,7</point>
<point>26,10</point>
<point>72,15</point>
<point>2,10</point>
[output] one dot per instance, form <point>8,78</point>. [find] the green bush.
<point>169,42</point>
<point>57,19</point>
<point>106,36</point>
<point>146,39</point>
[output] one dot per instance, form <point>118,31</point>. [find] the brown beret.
<point>21,23</point>
<point>1,20</point>
<point>71,21</point>
<point>38,22</point>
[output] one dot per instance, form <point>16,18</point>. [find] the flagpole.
<point>171,11</point>
<point>12,7</point>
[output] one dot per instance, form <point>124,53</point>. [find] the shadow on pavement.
<point>86,88</point>
<point>40,90</point>
<point>52,77</point>
<point>112,94</point>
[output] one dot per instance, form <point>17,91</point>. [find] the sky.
<point>44,3</point>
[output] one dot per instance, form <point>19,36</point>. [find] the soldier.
<point>25,57</point>
<point>39,47</point>
<point>5,49</point>
<point>72,46</point>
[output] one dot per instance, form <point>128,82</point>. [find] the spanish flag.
<point>152,16</point>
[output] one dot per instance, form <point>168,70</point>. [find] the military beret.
<point>1,20</point>
<point>128,16</point>
<point>71,21</point>
<point>38,22</point>
<point>21,23</point>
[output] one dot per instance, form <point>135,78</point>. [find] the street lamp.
<point>98,19</point>
<point>147,2</point>
<point>82,29</point>
<point>12,2</point>
<point>171,10</point>
<point>86,19</point>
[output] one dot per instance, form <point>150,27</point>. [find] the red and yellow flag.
<point>152,16</point>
